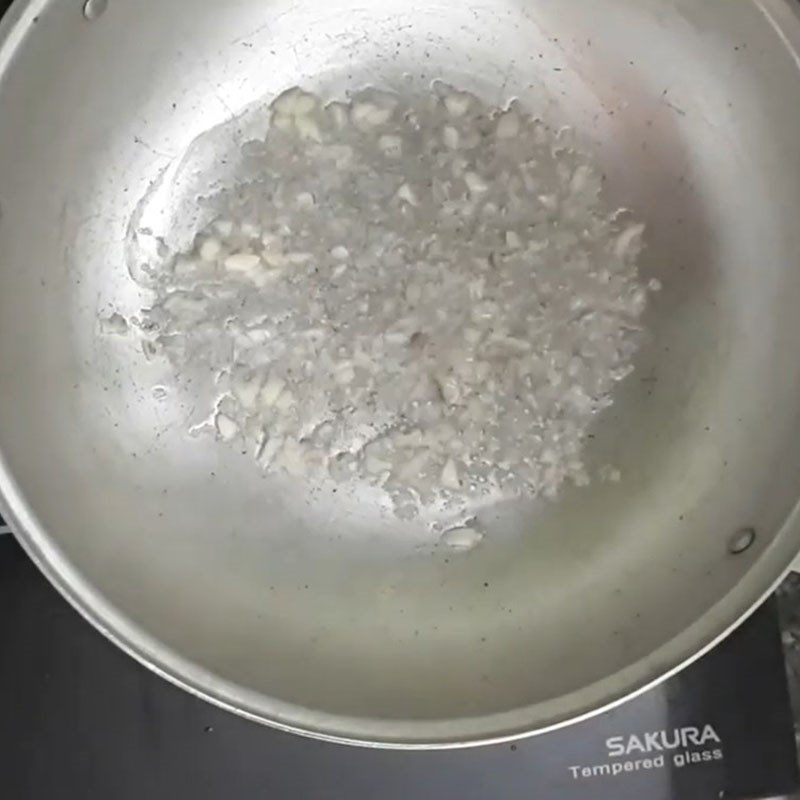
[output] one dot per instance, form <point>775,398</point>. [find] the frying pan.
<point>326,617</point>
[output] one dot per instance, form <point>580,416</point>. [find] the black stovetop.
<point>79,719</point>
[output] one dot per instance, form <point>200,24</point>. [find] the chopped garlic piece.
<point>114,325</point>
<point>391,146</point>
<point>308,129</point>
<point>211,249</point>
<point>450,475</point>
<point>295,103</point>
<point>405,192</point>
<point>462,538</point>
<point>475,183</point>
<point>457,103</point>
<point>272,391</point>
<point>368,115</point>
<point>451,137</point>
<point>628,240</point>
<point>224,227</point>
<point>245,263</point>
<point>226,427</point>
<point>422,295</point>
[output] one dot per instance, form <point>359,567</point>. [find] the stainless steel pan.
<point>326,619</point>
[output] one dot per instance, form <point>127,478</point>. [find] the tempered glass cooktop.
<point>80,719</point>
